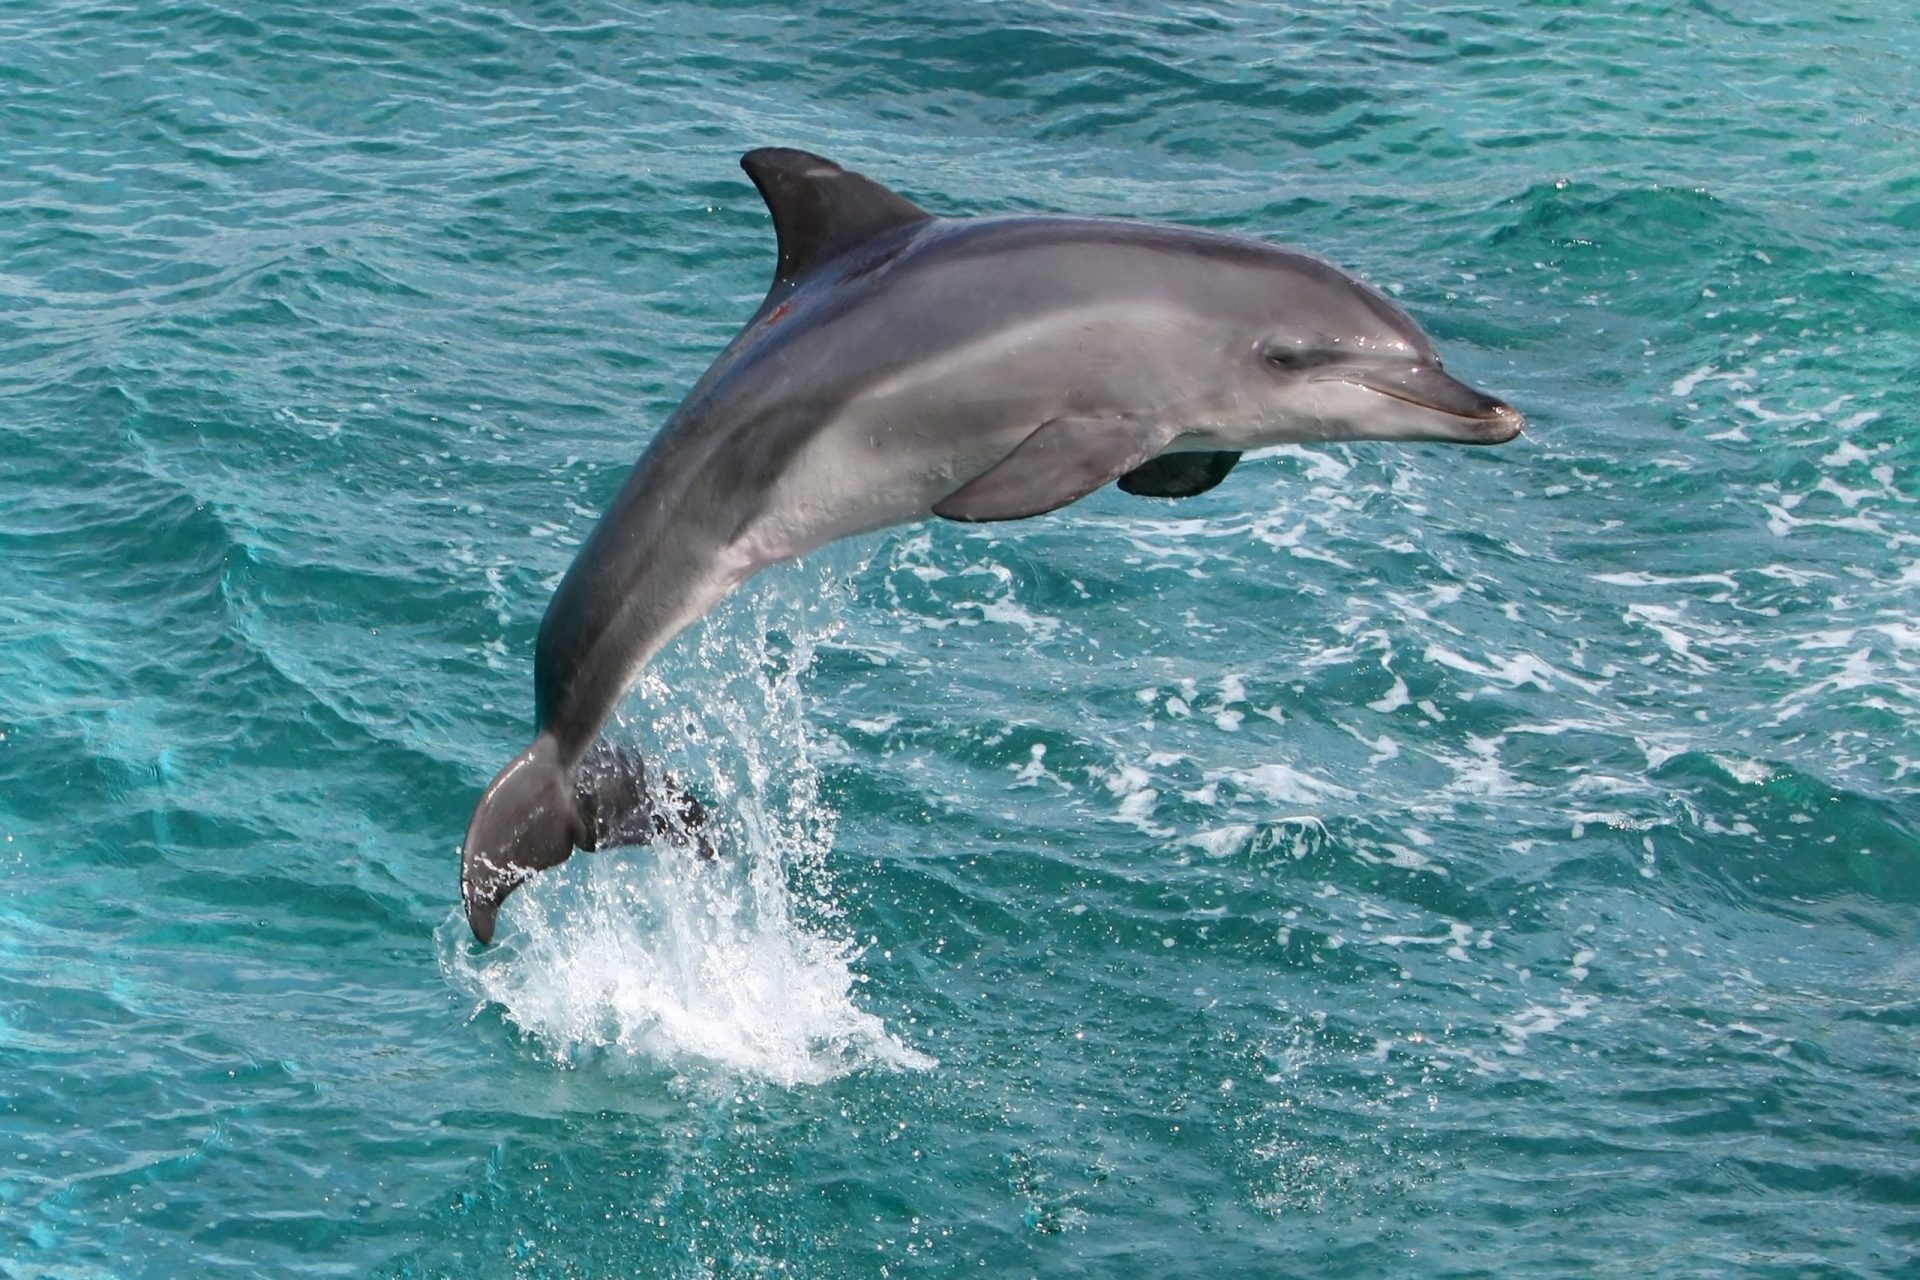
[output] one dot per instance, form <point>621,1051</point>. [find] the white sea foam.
<point>1683,387</point>
<point>1637,579</point>
<point>1520,669</point>
<point>658,957</point>
<point>1394,699</point>
<point>1668,622</point>
<point>1284,784</point>
<point>1480,772</point>
<point>1539,1019</point>
<point>1138,798</point>
<point>652,955</point>
<point>1008,612</point>
<point>1221,841</point>
<point>1750,772</point>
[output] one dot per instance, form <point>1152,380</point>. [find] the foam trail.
<point>653,955</point>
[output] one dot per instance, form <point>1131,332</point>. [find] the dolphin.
<point>903,366</point>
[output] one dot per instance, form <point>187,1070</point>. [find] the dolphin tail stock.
<point>536,812</point>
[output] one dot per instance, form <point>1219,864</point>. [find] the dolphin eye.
<point>1284,357</point>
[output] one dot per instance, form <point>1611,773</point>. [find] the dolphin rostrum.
<point>905,365</point>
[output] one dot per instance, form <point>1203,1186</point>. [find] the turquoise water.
<point>1397,861</point>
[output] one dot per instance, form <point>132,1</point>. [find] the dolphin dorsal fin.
<point>821,210</point>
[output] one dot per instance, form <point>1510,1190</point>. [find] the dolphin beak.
<point>1476,418</point>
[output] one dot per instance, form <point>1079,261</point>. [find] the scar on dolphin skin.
<point>905,366</point>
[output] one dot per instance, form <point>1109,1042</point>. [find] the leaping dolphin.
<point>906,365</point>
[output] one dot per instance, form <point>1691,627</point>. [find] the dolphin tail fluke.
<point>618,806</point>
<point>536,812</point>
<point>525,823</point>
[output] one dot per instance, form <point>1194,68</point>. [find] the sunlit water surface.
<point>1397,861</point>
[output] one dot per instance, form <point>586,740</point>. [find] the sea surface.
<point>1398,861</point>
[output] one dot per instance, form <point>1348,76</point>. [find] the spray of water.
<point>652,955</point>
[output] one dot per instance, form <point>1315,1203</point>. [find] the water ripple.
<point>1389,859</point>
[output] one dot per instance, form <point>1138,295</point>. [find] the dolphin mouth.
<point>1479,418</point>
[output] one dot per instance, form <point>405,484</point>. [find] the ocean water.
<point>1397,861</point>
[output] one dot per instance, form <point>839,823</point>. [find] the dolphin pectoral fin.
<point>1065,460</point>
<point>526,822</point>
<point>1179,475</point>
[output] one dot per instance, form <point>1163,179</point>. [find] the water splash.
<point>655,955</point>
